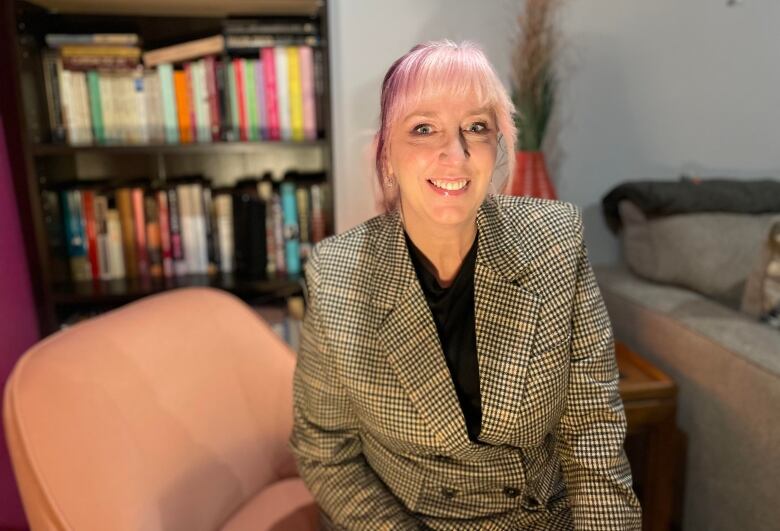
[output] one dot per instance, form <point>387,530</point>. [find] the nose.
<point>455,147</point>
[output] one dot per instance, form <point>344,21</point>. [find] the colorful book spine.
<point>124,205</point>
<point>292,253</point>
<point>235,112</point>
<point>238,68</point>
<point>165,232</point>
<point>153,236</point>
<point>283,92</point>
<point>212,90</point>
<point>262,123</point>
<point>251,98</point>
<point>93,83</point>
<point>295,96</point>
<point>177,245</point>
<point>307,90</point>
<point>74,236</point>
<point>141,253</point>
<point>115,249</point>
<point>88,214</point>
<point>170,112</point>
<point>278,224</point>
<point>271,105</point>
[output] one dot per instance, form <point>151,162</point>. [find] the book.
<point>292,253</point>
<point>307,93</point>
<point>153,236</point>
<point>88,219</point>
<point>295,94</point>
<point>268,58</point>
<point>282,92</point>
<point>183,106</point>
<point>223,209</point>
<point>51,77</point>
<point>248,70</point>
<point>168,97</point>
<point>76,245</point>
<point>93,83</point>
<point>141,252</point>
<point>243,122</point>
<point>177,243</point>
<point>57,40</point>
<point>100,205</point>
<point>124,205</point>
<point>114,242</point>
<point>185,51</point>
<point>165,232</point>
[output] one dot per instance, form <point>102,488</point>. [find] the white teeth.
<point>449,185</point>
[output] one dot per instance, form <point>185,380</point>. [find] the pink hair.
<point>441,68</point>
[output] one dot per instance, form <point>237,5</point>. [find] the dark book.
<point>249,231</point>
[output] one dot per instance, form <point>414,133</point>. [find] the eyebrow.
<point>431,114</point>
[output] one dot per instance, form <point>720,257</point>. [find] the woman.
<point>457,368</point>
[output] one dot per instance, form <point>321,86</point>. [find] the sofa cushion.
<point>761,298</point>
<point>285,505</point>
<point>702,251</point>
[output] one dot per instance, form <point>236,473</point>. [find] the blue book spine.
<point>292,251</point>
<point>72,220</point>
<point>168,95</point>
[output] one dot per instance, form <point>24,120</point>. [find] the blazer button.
<point>531,502</point>
<point>511,492</point>
<point>448,492</point>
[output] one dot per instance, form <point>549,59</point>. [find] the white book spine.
<point>223,205</point>
<point>115,252</point>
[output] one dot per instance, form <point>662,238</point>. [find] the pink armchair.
<point>170,413</point>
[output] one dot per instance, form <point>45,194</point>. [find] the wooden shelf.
<point>188,8</point>
<point>51,150</point>
<point>124,290</point>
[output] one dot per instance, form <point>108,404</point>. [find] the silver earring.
<point>389,181</point>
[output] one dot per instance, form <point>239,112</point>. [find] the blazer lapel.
<point>505,314</point>
<point>408,337</point>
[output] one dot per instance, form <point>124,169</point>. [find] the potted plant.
<point>533,93</point>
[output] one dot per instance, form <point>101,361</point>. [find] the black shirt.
<point>453,312</point>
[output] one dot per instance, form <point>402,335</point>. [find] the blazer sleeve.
<point>592,430</point>
<point>325,440</point>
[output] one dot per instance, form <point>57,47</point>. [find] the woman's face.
<point>442,155</point>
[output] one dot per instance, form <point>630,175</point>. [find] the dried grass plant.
<point>533,75</point>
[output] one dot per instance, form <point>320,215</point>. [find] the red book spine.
<point>271,106</point>
<point>238,67</point>
<point>87,199</point>
<point>165,233</point>
<point>141,252</point>
<point>211,81</point>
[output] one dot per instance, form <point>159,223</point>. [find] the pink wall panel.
<point>18,326</point>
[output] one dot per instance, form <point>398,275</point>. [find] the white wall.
<point>650,89</point>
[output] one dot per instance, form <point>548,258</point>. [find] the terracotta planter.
<point>531,177</point>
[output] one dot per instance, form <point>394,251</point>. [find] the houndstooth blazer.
<point>379,437</point>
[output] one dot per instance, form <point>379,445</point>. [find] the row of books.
<point>99,92</point>
<point>256,229</point>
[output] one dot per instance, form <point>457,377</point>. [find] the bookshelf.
<point>43,164</point>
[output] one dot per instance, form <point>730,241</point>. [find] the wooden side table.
<point>657,457</point>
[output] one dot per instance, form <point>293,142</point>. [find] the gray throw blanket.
<point>662,198</point>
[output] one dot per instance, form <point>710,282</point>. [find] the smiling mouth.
<point>450,185</point>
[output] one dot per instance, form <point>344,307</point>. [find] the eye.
<point>481,127</point>
<point>417,129</point>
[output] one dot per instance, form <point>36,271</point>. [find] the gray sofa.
<point>727,369</point>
